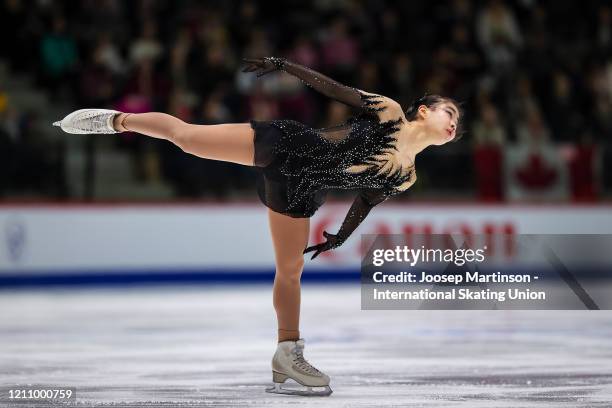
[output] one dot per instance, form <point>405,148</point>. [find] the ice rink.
<point>208,345</point>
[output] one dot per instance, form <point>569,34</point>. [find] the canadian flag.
<point>535,173</point>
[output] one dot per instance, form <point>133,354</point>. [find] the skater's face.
<point>441,121</point>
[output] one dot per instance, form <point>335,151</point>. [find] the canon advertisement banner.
<point>51,239</point>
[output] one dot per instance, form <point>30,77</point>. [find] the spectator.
<point>499,35</point>
<point>489,140</point>
<point>98,80</point>
<point>583,165</point>
<point>179,54</point>
<point>523,101</point>
<point>531,129</point>
<point>565,121</point>
<point>146,48</point>
<point>340,51</point>
<point>401,79</point>
<point>604,30</point>
<point>59,55</point>
<point>464,58</point>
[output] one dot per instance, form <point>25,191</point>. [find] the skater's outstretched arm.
<point>364,202</point>
<point>323,84</point>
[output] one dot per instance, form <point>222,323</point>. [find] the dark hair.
<point>431,101</point>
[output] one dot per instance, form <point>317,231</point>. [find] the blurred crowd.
<point>534,77</point>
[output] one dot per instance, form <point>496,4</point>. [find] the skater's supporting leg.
<point>290,237</point>
<point>228,142</point>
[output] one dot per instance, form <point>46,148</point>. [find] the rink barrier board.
<point>102,242</point>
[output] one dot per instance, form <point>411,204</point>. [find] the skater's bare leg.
<point>290,238</point>
<point>228,142</point>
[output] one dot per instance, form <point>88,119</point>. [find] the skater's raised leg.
<point>228,142</point>
<point>232,142</point>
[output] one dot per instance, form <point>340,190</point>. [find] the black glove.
<point>363,203</point>
<point>333,241</point>
<point>263,65</point>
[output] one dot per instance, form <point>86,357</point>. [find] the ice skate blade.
<point>308,392</point>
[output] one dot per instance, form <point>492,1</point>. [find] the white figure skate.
<point>289,362</point>
<point>86,121</point>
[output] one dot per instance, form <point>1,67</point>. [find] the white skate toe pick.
<point>289,363</point>
<point>88,121</point>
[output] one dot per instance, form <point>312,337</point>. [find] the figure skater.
<point>374,152</point>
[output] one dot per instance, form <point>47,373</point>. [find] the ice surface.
<point>212,346</point>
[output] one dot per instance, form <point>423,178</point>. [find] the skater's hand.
<point>263,66</point>
<point>333,241</point>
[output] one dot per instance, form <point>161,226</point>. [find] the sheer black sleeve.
<point>325,85</point>
<point>363,203</point>
<point>319,82</point>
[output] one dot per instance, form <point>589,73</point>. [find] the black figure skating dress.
<point>297,164</point>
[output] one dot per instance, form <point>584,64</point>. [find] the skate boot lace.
<point>301,362</point>
<point>92,122</point>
